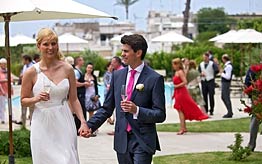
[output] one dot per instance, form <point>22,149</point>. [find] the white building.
<point>161,22</point>
<point>98,35</point>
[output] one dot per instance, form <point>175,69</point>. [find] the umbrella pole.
<point>67,49</point>
<point>7,18</point>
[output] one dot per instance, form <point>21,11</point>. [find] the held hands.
<point>84,130</point>
<point>128,106</point>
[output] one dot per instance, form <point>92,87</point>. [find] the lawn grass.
<point>26,160</point>
<point>227,125</point>
<point>207,158</point>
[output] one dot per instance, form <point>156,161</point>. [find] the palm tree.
<point>126,3</point>
<point>186,17</point>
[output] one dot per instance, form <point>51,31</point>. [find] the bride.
<point>50,87</point>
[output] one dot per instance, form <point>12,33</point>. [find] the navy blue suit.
<point>254,122</point>
<point>151,103</point>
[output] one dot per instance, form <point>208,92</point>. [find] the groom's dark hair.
<point>136,42</point>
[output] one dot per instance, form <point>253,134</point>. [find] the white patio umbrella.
<point>16,40</point>
<point>243,36</point>
<point>228,34</point>
<point>21,39</point>
<point>66,40</point>
<point>172,37</point>
<point>117,39</point>
<point>25,10</point>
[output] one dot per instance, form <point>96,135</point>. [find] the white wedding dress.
<point>53,133</point>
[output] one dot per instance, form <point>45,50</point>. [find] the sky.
<point>138,12</point>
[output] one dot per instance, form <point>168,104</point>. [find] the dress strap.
<point>36,65</point>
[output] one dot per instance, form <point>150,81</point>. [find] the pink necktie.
<point>129,92</point>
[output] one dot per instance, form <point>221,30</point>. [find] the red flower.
<point>255,68</point>
<point>248,90</point>
<point>255,91</point>
<point>247,109</point>
<point>258,84</point>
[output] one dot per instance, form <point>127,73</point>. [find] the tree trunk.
<point>126,12</point>
<point>186,18</point>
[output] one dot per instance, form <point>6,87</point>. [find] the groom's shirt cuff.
<point>136,114</point>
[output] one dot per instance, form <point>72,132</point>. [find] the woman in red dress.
<point>184,104</point>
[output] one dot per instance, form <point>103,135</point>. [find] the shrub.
<point>21,140</point>
<point>238,152</point>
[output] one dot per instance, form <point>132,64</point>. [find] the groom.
<point>135,138</point>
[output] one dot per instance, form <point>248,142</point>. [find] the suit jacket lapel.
<point>123,77</point>
<point>140,80</point>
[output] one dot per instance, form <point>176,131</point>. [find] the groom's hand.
<point>128,106</point>
<point>84,130</point>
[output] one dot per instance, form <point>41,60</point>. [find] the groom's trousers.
<point>254,126</point>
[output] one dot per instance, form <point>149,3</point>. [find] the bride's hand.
<point>84,131</point>
<point>43,96</point>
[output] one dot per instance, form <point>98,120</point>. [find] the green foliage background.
<point>21,140</point>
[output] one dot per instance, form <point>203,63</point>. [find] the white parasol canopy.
<point>70,38</point>
<point>21,39</point>
<point>68,42</point>
<point>243,36</point>
<point>228,34</point>
<point>27,10</point>
<point>172,37</point>
<point>117,39</point>
<point>16,40</point>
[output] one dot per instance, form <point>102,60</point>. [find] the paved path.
<point>99,150</point>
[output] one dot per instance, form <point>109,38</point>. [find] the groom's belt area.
<point>130,132</point>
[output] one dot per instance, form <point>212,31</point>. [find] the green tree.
<point>209,19</point>
<point>126,4</point>
<point>250,23</point>
<point>93,57</point>
<point>186,17</point>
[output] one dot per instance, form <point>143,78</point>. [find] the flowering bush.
<point>255,92</point>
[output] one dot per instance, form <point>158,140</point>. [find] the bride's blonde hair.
<point>51,35</point>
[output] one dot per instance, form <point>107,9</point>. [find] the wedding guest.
<point>210,55</point>
<point>107,77</point>
<point>69,60</point>
<point>81,85</point>
<point>48,86</point>
<point>186,107</point>
<point>3,89</point>
<point>28,62</point>
<point>254,122</point>
<point>185,62</point>
<point>208,70</point>
<point>117,65</point>
<point>193,79</point>
<point>226,77</point>
<point>135,139</point>
<point>92,102</point>
<point>36,58</point>
<point>107,80</point>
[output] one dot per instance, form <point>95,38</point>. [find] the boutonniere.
<point>140,87</point>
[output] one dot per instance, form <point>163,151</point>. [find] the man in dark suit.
<point>135,139</point>
<point>254,122</point>
<point>226,77</point>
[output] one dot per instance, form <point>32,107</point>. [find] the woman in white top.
<point>50,86</point>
